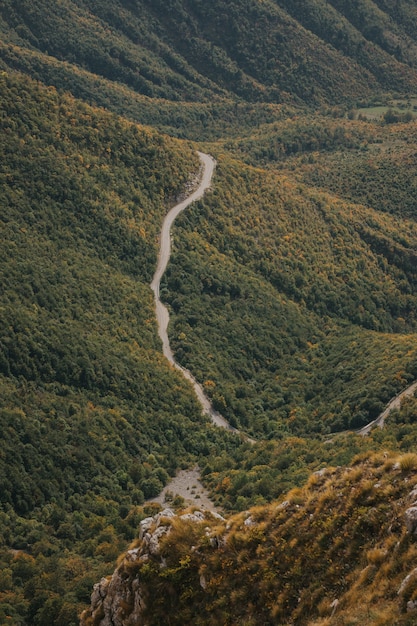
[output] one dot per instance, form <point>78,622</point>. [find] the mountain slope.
<point>339,551</point>
<point>93,419</point>
<point>283,296</point>
<point>292,292</point>
<point>191,50</point>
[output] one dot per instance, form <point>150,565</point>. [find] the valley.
<point>162,314</point>
<point>290,296</point>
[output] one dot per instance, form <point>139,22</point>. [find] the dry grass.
<point>296,496</point>
<point>376,556</point>
<point>341,522</point>
<point>408,462</point>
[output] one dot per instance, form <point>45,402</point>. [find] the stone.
<point>197,516</point>
<point>413,495</point>
<point>217,542</point>
<point>217,516</point>
<point>165,513</point>
<point>152,539</point>
<point>283,505</point>
<point>411,606</point>
<point>406,580</point>
<point>119,600</point>
<point>145,525</point>
<point>99,591</point>
<point>133,555</point>
<point>411,520</point>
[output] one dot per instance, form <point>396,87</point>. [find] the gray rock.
<point>119,601</point>
<point>152,539</point>
<point>133,555</point>
<point>413,496</point>
<point>165,513</point>
<point>406,580</point>
<point>99,591</point>
<point>411,520</point>
<point>283,505</point>
<point>217,515</point>
<point>411,606</point>
<point>145,525</point>
<point>197,516</point>
<point>217,542</point>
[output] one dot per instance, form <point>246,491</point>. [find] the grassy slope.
<point>342,538</point>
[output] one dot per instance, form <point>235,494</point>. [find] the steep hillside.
<point>296,307</point>
<point>93,419</point>
<point>339,551</point>
<point>196,51</point>
<point>292,292</point>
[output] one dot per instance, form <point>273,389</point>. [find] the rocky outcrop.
<point>326,552</point>
<point>119,600</point>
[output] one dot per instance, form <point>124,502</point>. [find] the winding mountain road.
<point>162,315</point>
<point>395,403</point>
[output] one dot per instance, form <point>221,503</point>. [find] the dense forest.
<point>189,66</point>
<point>85,438</point>
<point>292,285</point>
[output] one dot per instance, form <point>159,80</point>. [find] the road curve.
<point>395,403</point>
<point>162,315</point>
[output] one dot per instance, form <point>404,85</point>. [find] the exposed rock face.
<point>116,601</point>
<point>119,599</point>
<point>264,566</point>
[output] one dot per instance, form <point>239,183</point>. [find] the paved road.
<point>162,315</point>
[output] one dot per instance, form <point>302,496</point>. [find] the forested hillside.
<point>266,254</point>
<point>291,288</point>
<point>85,437</point>
<point>273,51</point>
